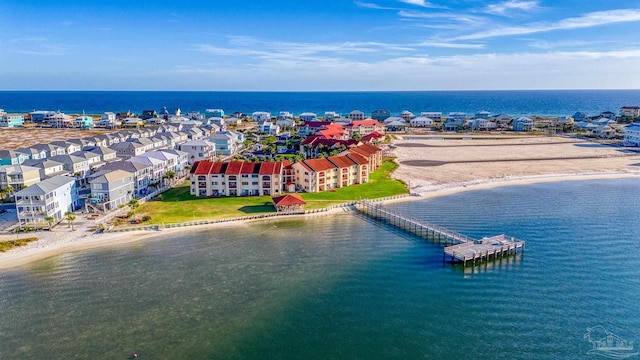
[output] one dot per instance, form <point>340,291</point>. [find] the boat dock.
<point>458,247</point>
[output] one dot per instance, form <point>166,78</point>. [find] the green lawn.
<point>177,205</point>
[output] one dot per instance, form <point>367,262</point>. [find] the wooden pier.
<point>458,247</point>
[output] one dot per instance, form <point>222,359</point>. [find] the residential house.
<point>455,121</point>
<point>77,166</point>
<point>261,116</point>
<point>285,120</point>
<point>310,128</point>
<point>421,122</point>
<point>236,178</point>
<point>49,149</point>
<point>10,120</point>
<point>48,168</point>
<point>40,116</point>
<point>365,127</point>
<point>270,128</point>
<point>581,116</point>
<point>483,114</point>
<point>523,123</point>
<point>356,115</point>
<point>503,121</point>
<point>380,114</point>
<point>11,157</point>
<point>198,150</point>
<point>18,176</point>
<point>629,111</point>
<point>52,197</point>
<point>632,135</point>
<point>218,113</point>
<point>128,149</point>
<point>397,125</point>
<point>141,174</point>
<point>308,116</point>
<point>106,154</point>
<point>407,115</point>
<point>112,189</point>
<point>68,147</point>
<point>331,115</point>
<point>83,122</point>
<point>32,153</point>
<point>217,121</point>
<point>225,143</point>
<point>434,115</point>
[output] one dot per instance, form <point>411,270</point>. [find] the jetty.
<point>458,247</point>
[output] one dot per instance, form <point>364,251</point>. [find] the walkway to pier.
<point>461,248</point>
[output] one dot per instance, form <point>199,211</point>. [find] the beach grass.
<point>178,205</point>
<point>12,244</point>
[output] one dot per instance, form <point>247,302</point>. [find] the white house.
<point>51,197</point>
<point>421,121</point>
<point>285,120</point>
<point>308,116</point>
<point>407,115</point>
<point>523,123</point>
<point>434,115</point>
<point>632,135</point>
<point>261,116</point>
<point>198,150</point>
<point>270,128</point>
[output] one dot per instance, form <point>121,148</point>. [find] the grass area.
<point>12,244</point>
<point>178,205</point>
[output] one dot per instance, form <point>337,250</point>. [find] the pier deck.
<point>459,247</point>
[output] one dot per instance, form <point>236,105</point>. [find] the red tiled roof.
<point>248,168</point>
<point>319,164</point>
<point>316,124</point>
<point>341,161</point>
<point>366,122</point>
<point>288,200</point>
<point>266,168</point>
<point>233,168</point>
<point>357,158</point>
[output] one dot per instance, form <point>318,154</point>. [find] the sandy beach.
<point>431,167</point>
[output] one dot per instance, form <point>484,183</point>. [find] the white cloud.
<point>503,7</point>
<point>422,3</point>
<point>441,15</point>
<point>368,5</point>
<point>585,21</point>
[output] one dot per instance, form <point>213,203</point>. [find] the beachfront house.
<point>52,197</point>
<point>356,115</point>
<point>261,116</point>
<point>380,114</point>
<point>308,116</point>
<point>236,178</point>
<point>396,125</point>
<point>455,121</point>
<point>112,189</point>
<point>632,135</point>
<point>523,123</point>
<point>10,120</point>
<point>198,150</point>
<point>407,115</point>
<point>434,115</point>
<point>630,111</point>
<point>18,176</point>
<point>421,122</point>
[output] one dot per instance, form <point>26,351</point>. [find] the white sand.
<point>492,165</point>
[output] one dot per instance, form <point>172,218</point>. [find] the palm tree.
<point>50,220</point>
<point>169,175</point>
<point>70,217</point>
<point>9,189</point>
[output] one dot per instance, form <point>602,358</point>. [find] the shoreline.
<point>47,248</point>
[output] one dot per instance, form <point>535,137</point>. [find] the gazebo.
<point>290,203</point>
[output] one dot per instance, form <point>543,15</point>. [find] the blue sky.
<point>231,45</point>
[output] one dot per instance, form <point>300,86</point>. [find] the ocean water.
<point>346,287</point>
<point>515,103</point>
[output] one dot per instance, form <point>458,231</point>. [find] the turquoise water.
<point>345,287</point>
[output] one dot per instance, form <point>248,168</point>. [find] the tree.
<point>70,218</point>
<point>169,175</point>
<point>9,189</point>
<point>133,203</point>
<point>50,220</point>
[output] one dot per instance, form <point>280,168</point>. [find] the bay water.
<point>346,287</point>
